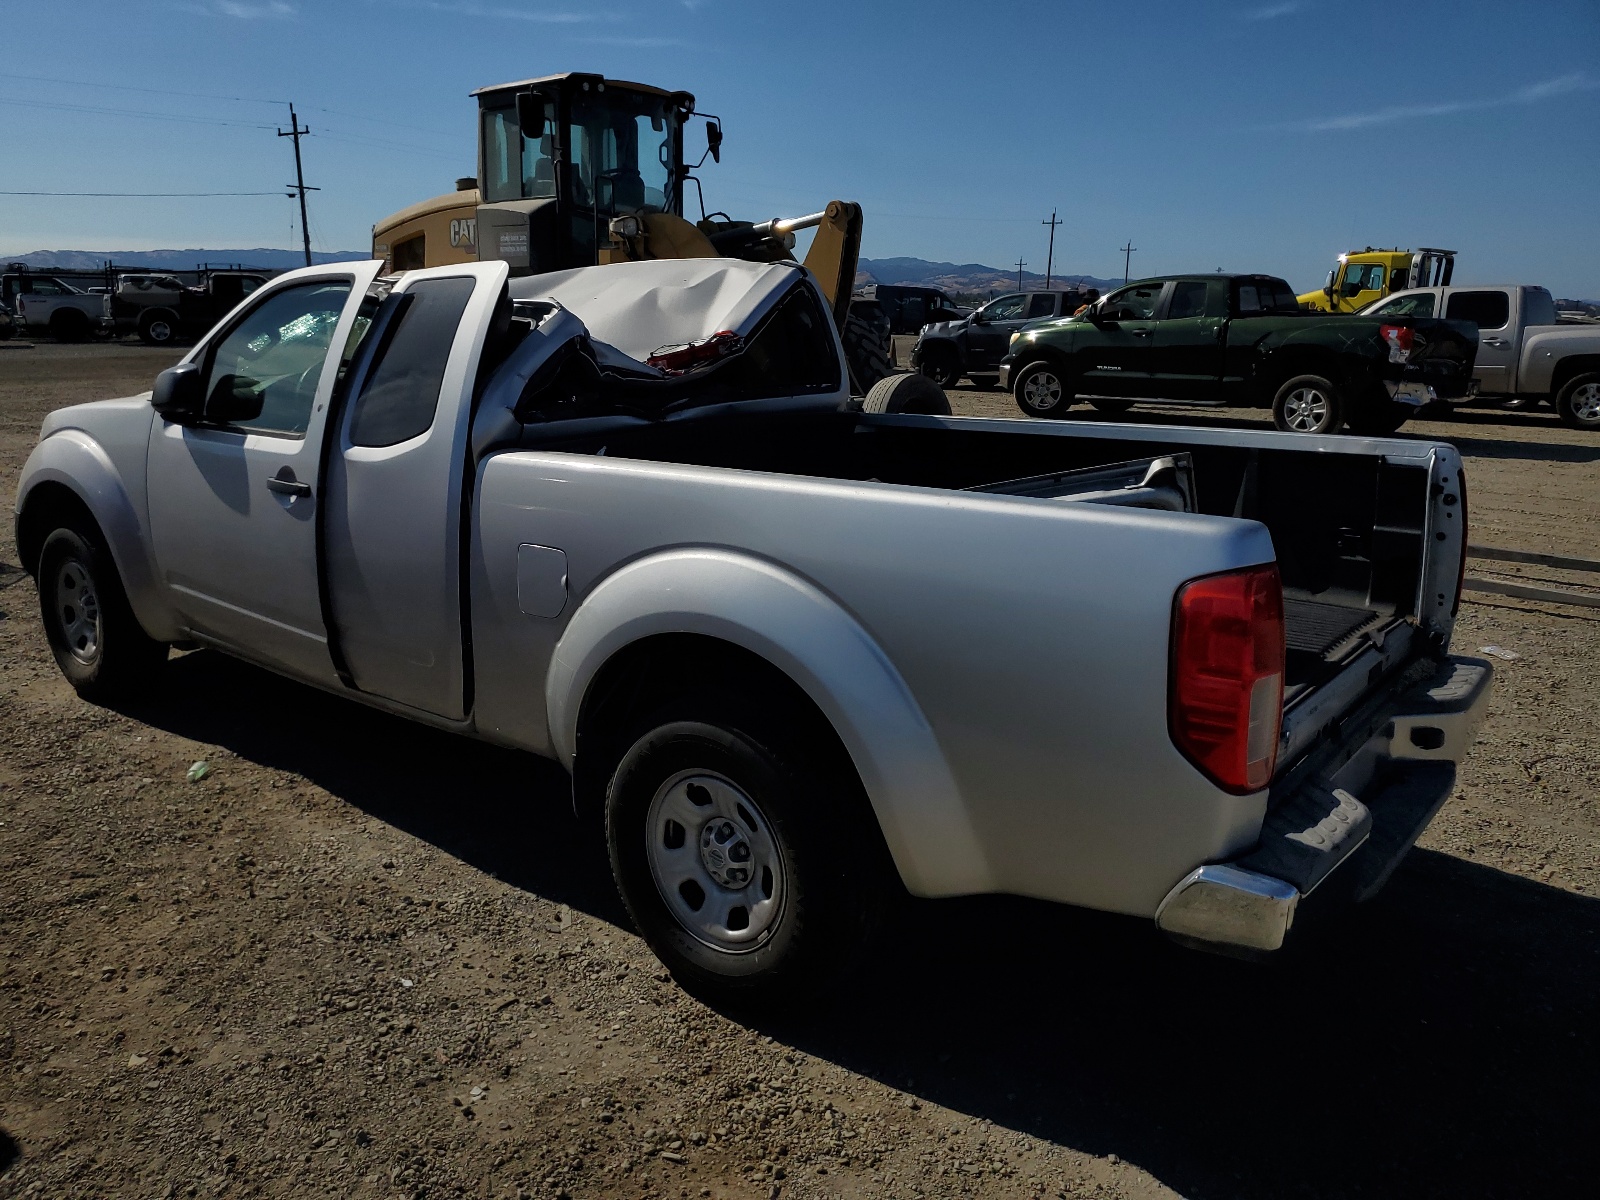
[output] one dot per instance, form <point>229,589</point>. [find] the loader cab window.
<point>1363,277</point>
<point>622,148</point>
<point>515,167</point>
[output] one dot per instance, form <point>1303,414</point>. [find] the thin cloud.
<point>1562,85</point>
<point>1268,12</point>
<point>271,10</point>
<point>644,43</point>
<point>537,16</point>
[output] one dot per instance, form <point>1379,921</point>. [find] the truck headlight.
<point>1015,335</point>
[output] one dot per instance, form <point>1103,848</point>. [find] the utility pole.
<point>299,184</point>
<point>1021,262</point>
<point>1050,257</point>
<point>1127,258</point>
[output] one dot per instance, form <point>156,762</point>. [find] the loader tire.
<point>907,393</point>
<point>868,350</point>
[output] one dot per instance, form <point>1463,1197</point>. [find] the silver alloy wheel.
<point>1041,391</point>
<point>1305,409</point>
<point>1586,403</point>
<point>714,860</point>
<point>160,331</point>
<point>77,610</point>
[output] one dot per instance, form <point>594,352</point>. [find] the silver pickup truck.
<point>1525,351</point>
<point>795,655</point>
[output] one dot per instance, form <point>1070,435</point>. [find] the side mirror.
<point>714,140</point>
<point>177,394</point>
<point>235,398</point>
<point>530,115</point>
<point>979,317</point>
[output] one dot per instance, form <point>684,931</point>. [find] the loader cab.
<point>560,156</point>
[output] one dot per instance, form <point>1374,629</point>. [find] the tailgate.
<point>1442,354</point>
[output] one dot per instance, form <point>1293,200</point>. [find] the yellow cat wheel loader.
<point>578,170</point>
<point>1362,276</point>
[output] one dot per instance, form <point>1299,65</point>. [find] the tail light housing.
<point>676,360</point>
<point>1401,339</point>
<point>1225,692</point>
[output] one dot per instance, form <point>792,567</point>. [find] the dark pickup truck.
<point>1239,340</point>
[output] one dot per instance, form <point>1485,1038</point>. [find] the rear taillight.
<point>1225,700</point>
<point>675,360</point>
<point>1401,339</point>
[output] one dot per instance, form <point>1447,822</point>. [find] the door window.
<point>1188,299</point>
<point>1363,277</point>
<point>1136,303</point>
<point>402,392</point>
<point>1418,305</point>
<point>1041,304</point>
<point>48,287</point>
<point>1486,310</point>
<point>1007,308</point>
<point>275,356</point>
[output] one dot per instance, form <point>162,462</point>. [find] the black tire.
<point>96,639</point>
<point>941,364</point>
<point>1379,418</point>
<point>1308,404</point>
<point>907,393</point>
<point>1110,406</point>
<point>708,789</point>
<point>157,327</point>
<point>1041,390</point>
<point>987,383</point>
<point>69,325</point>
<point>1578,402</point>
<point>868,350</point>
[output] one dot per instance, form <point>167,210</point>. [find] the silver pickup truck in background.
<point>1525,351</point>
<point>795,655</point>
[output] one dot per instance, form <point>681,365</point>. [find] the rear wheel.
<point>868,350</point>
<point>941,364</point>
<point>907,393</point>
<point>96,640</point>
<point>69,325</point>
<point>749,867</point>
<point>157,327</point>
<point>1308,404</point>
<point>1041,390</point>
<point>1578,403</point>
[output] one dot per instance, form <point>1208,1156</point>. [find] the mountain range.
<point>963,277</point>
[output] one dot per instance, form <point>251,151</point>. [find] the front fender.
<point>75,460</point>
<point>805,633</point>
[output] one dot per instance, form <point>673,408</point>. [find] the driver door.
<point>987,343</point>
<point>232,499</point>
<point>1118,359</point>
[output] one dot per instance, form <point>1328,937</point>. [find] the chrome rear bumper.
<point>1403,774</point>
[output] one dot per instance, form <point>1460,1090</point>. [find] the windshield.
<point>621,152</point>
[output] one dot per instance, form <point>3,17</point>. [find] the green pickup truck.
<point>1240,340</point>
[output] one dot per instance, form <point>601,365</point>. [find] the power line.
<point>142,195</point>
<point>128,112</point>
<point>123,87</point>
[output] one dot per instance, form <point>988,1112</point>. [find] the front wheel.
<point>1578,403</point>
<point>941,366</point>
<point>96,639</point>
<point>750,868</point>
<point>1041,390</point>
<point>1308,404</point>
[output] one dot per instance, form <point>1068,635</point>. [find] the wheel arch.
<point>70,475</point>
<point>719,611</point>
<point>1283,364</point>
<point>1570,367</point>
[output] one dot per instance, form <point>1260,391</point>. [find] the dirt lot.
<point>360,958</point>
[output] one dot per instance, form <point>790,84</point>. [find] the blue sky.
<point>1261,135</point>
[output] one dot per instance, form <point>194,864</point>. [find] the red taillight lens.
<point>675,360</point>
<point>1401,339</point>
<point>1225,702</point>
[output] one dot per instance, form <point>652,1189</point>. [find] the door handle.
<point>1494,341</point>
<point>1140,332</point>
<point>287,485</point>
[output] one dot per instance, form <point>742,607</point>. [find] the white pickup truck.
<point>45,304</point>
<point>1525,351</point>
<point>795,654</point>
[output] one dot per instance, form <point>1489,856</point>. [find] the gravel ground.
<point>361,958</point>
